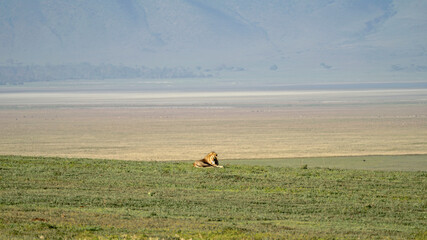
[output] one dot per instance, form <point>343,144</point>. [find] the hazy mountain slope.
<point>63,31</point>
<point>325,37</point>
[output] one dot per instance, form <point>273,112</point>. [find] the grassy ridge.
<point>415,162</point>
<point>85,198</point>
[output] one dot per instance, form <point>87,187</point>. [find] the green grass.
<point>417,162</point>
<point>55,198</point>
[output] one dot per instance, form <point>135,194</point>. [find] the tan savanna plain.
<point>238,127</point>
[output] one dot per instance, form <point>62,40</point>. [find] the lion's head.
<point>212,158</point>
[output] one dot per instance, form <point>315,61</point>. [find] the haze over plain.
<point>289,41</point>
<point>169,80</point>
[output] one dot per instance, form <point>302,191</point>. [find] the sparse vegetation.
<point>165,132</point>
<point>416,162</point>
<point>55,198</point>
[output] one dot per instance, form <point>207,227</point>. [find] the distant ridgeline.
<point>18,74</point>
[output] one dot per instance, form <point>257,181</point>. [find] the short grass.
<point>417,162</point>
<point>53,198</point>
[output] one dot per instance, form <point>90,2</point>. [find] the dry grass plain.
<point>185,126</point>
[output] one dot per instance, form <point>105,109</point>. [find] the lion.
<point>210,160</point>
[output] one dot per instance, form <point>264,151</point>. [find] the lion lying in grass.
<point>210,160</point>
